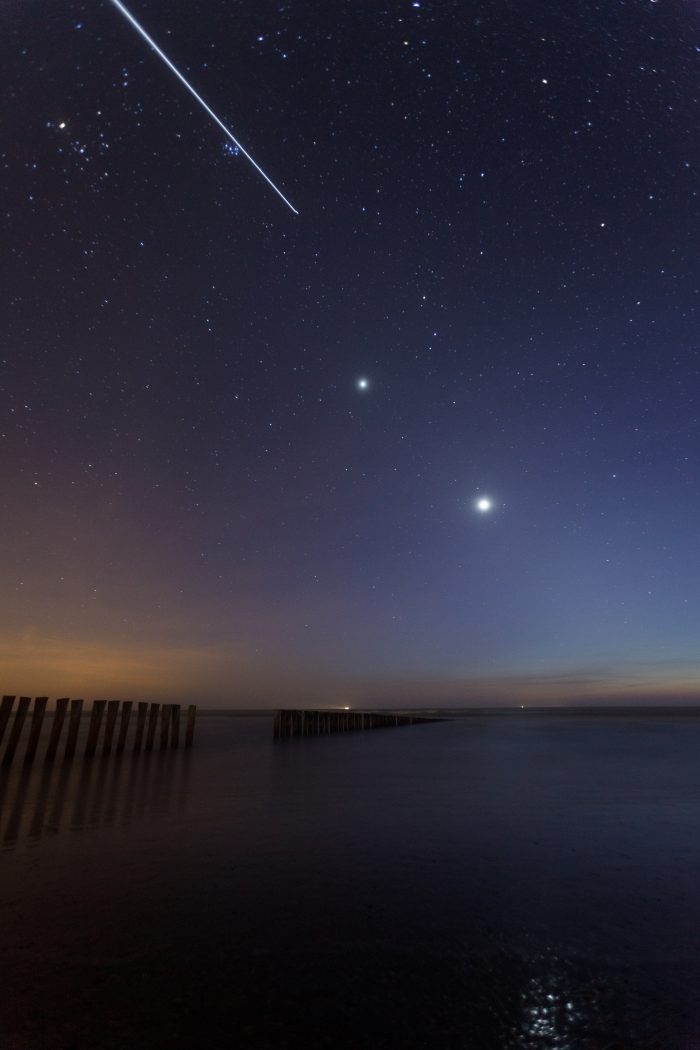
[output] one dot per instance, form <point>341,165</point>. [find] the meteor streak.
<point>151,43</point>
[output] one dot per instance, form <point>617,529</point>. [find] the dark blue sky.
<point>498,229</point>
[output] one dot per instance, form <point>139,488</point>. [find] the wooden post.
<point>189,735</point>
<point>152,722</point>
<point>164,725</point>
<point>175,739</point>
<point>140,725</point>
<point>112,712</point>
<point>5,712</point>
<point>98,709</point>
<point>16,731</point>
<point>37,718</point>
<point>76,710</point>
<point>124,725</point>
<point>56,729</point>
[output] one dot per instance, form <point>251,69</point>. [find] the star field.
<point>242,450</point>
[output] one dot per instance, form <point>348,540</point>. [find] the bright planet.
<point>484,505</point>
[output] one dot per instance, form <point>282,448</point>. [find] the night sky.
<point>242,451</point>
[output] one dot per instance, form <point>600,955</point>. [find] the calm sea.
<point>497,882</point>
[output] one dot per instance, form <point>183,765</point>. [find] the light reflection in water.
<point>550,1017</point>
<point>560,1007</point>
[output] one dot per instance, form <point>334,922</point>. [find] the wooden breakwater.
<point>289,723</point>
<point>149,719</point>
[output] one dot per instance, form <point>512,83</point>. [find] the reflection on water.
<point>40,800</point>
<point>549,1014</point>
<point>558,1009</point>
<point>383,998</point>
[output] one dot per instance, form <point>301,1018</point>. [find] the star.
<point>484,505</point>
<point>363,383</point>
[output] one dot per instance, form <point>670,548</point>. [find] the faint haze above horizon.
<point>219,680</point>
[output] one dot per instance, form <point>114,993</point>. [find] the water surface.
<point>495,883</point>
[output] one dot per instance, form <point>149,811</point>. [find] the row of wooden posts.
<point>147,718</point>
<point>288,723</point>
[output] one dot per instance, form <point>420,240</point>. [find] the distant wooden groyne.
<point>289,723</point>
<point>110,713</point>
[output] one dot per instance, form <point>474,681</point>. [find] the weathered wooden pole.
<point>5,712</point>
<point>16,731</point>
<point>98,709</point>
<point>189,735</point>
<point>56,729</point>
<point>175,738</point>
<point>152,722</point>
<point>164,725</point>
<point>124,726</point>
<point>37,719</point>
<point>76,710</point>
<point>112,712</point>
<point>110,722</point>
<point>140,725</point>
